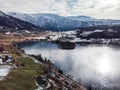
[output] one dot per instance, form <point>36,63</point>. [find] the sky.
<point>94,8</point>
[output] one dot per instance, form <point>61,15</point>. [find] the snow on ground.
<point>4,70</point>
<point>1,61</point>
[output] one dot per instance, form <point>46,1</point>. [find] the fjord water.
<point>95,65</point>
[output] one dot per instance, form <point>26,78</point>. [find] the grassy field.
<point>23,77</point>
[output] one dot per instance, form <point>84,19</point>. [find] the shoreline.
<point>34,57</point>
<point>52,63</point>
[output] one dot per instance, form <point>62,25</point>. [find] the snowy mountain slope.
<point>7,21</point>
<point>82,18</point>
<point>55,22</point>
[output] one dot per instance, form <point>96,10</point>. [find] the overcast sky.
<point>94,8</point>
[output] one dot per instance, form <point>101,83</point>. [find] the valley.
<point>39,56</point>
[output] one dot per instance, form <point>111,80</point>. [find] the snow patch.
<point>4,70</point>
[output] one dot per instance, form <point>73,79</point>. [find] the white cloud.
<point>98,8</point>
<point>95,8</point>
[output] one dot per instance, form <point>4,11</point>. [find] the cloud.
<point>98,8</point>
<point>95,8</point>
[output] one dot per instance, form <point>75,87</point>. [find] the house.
<point>41,81</point>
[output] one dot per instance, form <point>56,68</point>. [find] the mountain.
<point>81,17</point>
<point>7,22</point>
<point>99,32</point>
<point>60,23</point>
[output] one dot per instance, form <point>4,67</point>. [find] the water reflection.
<point>104,66</point>
<point>96,65</point>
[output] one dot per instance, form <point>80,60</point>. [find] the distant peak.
<point>81,17</point>
<point>2,14</point>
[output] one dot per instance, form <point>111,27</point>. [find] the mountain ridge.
<point>55,22</point>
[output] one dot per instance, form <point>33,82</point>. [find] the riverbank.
<point>56,75</point>
<point>53,73</point>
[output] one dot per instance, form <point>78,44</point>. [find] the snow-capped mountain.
<point>3,14</point>
<point>82,18</point>
<point>55,22</point>
<point>7,21</point>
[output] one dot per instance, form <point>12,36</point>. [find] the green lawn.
<point>23,77</point>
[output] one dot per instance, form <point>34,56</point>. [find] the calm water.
<point>98,66</point>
